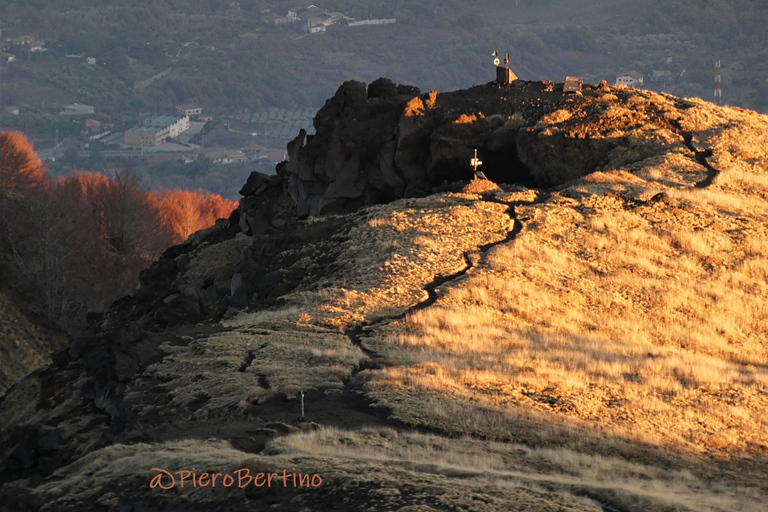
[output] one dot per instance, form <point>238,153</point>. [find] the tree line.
<point>75,244</point>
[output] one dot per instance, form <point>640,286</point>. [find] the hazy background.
<point>261,82</point>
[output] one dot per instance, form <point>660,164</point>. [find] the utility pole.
<point>718,82</point>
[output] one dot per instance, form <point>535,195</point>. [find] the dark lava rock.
<point>393,142</point>
<point>48,439</point>
<point>382,88</point>
<point>257,183</point>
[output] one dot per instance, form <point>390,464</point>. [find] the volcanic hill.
<point>586,330</point>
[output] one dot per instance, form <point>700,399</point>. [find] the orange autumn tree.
<point>183,211</point>
<point>77,243</point>
<point>20,167</point>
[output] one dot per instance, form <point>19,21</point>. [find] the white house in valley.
<point>632,79</point>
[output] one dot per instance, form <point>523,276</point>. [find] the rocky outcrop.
<point>123,383</point>
<point>392,142</point>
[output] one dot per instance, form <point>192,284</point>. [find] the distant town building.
<point>174,124</point>
<point>76,109</point>
<point>293,14</point>
<point>36,46</point>
<point>144,136</point>
<point>255,152</point>
<point>156,130</point>
<point>7,57</point>
<point>22,40</point>
<point>189,110</point>
<point>316,20</point>
<point>316,26</point>
<point>632,79</point>
<point>221,155</point>
<point>14,111</point>
<point>90,61</point>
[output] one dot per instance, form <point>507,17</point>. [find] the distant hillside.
<point>230,59</point>
<point>585,332</point>
<point>275,66</point>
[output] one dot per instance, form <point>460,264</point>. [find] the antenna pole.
<point>718,84</point>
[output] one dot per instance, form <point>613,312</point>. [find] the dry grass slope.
<point>611,356</point>
<point>617,346</point>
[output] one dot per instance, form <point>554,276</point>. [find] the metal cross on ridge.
<point>475,163</point>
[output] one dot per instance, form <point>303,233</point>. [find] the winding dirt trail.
<point>701,158</point>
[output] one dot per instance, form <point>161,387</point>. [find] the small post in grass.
<point>302,406</point>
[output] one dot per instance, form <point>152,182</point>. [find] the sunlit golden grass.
<point>628,485</point>
<point>392,253</point>
<point>644,318</point>
<point>640,321</point>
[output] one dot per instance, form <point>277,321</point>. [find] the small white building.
<point>155,131</point>
<point>175,125</point>
<point>91,61</point>
<point>316,26</point>
<point>631,79</point>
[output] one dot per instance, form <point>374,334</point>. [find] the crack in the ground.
<point>701,159</point>
<point>431,288</point>
<point>247,362</point>
<point>356,332</point>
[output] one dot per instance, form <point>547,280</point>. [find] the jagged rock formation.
<point>391,142</point>
<point>540,312</point>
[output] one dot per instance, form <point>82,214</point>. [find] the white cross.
<point>475,162</point>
